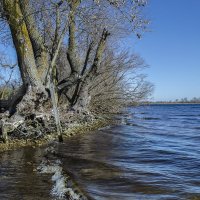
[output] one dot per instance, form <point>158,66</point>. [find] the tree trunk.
<point>82,101</point>
<point>56,112</point>
<point>28,45</point>
<point>22,43</point>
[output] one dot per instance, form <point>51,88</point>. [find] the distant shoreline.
<point>168,103</point>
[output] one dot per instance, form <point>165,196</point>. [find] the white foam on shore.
<point>60,188</point>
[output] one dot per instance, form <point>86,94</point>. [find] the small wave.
<point>198,128</point>
<point>144,113</point>
<point>151,118</point>
<point>188,115</point>
<point>131,124</point>
<point>60,188</point>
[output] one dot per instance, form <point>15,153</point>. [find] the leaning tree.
<point>60,47</point>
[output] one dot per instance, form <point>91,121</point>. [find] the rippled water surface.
<point>153,154</point>
<point>19,179</point>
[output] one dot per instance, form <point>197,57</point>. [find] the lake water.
<point>153,154</point>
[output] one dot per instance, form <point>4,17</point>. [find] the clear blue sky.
<point>172,48</point>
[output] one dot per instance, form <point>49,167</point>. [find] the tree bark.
<point>83,98</point>
<point>40,52</point>
<point>32,56</point>
<point>71,53</point>
<point>22,44</point>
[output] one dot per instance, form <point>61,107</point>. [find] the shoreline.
<point>168,103</point>
<point>76,129</point>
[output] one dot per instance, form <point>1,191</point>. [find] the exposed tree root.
<point>25,135</point>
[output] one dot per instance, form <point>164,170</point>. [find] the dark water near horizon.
<point>153,154</point>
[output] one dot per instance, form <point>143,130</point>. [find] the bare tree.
<point>119,82</point>
<point>8,77</point>
<point>54,35</point>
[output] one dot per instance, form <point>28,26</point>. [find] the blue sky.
<point>172,48</point>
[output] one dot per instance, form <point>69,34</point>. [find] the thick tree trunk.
<point>25,55</point>
<point>82,101</point>
<point>33,61</point>
<point>22,43</point>
<point>81,98</point>
<point>40,52</point>
<point>16,98</point>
